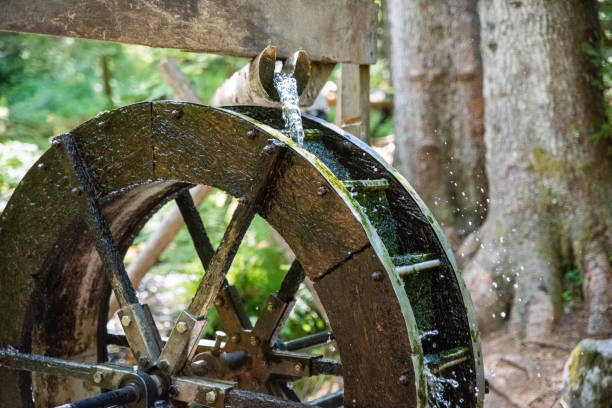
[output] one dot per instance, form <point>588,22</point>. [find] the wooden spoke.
<point>279,306</point>
<point>292,281</point>
<point>183,341</point>
<point>231,311</point>
<point>136,319</point>
<point>195,227</point>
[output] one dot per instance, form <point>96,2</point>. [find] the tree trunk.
<point>437,77</point>
<point>550,183</point>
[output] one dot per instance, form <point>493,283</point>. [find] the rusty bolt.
<point>125,321</point>
<point>403,379</point>
<point>322,190</point>
<point>235,338</point>
<point>211,397</point>
<point>181,327</point>
<point>177,113</point>
<point>251,134</point>
<point>298,367</point>
<point>98,377</point>
<point>77,191</point>
<point>377,276</point>
<point>254,340</point>
<point>219,302</point>
<point>42,166</point>
<point>103,124</point>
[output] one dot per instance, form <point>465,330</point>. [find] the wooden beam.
<point>353,104</point>
<point>329,31</point>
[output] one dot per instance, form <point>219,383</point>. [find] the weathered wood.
<point>330,31</point>
<point>353,105</point>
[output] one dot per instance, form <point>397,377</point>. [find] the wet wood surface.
<point>239,28</point>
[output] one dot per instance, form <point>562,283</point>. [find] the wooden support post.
<point>353,106</point>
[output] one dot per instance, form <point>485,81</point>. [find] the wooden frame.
<point>338,31</point>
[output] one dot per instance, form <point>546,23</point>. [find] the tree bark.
<point>437,77</point>
<point>550,183</point>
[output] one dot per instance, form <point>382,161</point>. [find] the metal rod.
<point>313,340</point>
<point>333,400</point>
<point>125,395</point>
<point>13,359</point>
<point>421,266</point>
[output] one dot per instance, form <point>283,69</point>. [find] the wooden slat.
<point>240,28</point>
<point>353,105</point>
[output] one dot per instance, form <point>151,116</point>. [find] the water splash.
<point>436,386</point>
<point>286,86</point>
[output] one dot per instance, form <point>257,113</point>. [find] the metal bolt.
<point>163,365</point>
<point>322,190</point>
<point>403,379</point>
<point>177,113</point>
<point>181,327</point>
<point>103,124</point>
<point>144,362</point>
<point>98,377</point>
<point>298,367</point>
<point>172,390</point>
<point>211,397</point>
<point>235,338</point>
<point>377,276</point>
<point>77,191</point>
<point>42,166</point>
<point>219,302</point>
<point>125,321</point>
<point>251,134</point>
<point>199,367</point>
<point>270,306</point>
<point>57,142</point>
<point>254,340</point>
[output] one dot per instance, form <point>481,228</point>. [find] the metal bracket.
<point>137,322</point>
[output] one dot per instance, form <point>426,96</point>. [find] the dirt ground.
<point>530,373</point>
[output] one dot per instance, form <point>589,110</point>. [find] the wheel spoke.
<point>231,311</point>
<point>136,319</point>
<point>292,281</point>
<point>183,341</point>
<point>279,306</point>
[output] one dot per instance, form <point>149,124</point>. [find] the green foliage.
<point>573,284</point>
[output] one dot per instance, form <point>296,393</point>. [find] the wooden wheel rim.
<point>54,292</point>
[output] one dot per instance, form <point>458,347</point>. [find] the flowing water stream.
<point>286,86</point>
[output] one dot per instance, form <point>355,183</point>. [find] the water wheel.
<point>397,307</point>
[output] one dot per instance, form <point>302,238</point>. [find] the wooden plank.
<point>329,31</point>
<point>353,105</point>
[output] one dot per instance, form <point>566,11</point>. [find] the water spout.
<point>286,86</point>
